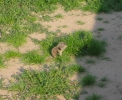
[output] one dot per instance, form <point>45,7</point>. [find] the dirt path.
<point>112,33</point>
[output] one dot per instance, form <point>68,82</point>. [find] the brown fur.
<point>57,50</point>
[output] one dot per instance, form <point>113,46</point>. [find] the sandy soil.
<point>112,33</point>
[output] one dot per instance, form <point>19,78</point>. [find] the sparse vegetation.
<point>96,48</point>
<point>90,61</point>
<point>94,97</point>
<point>102,82</point>
<point>99,18</point>
<point>80,22</point>
<point>100,29</point>
<point>106,21</point>
<point>17,21</point>
<point>104,79</point>
<point>2,62</point>
<point>88,80</point>
<point>58,16</point>
<point>33,57</point>
<point>16,38</point>
<point>11,54</point>
<point>45,83</point>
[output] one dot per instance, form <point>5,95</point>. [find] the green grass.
<point>1,83</point>
<point>76,68</point>
<point>98,6</point>
<point>94,97</point>
<point>33,57</point>
<point>96,47</point>
<point>16,38</point>
<point>2,62</point>
<point>100,29</point>
<point>11,54</point>
<point>46,18</point>
<point>99,18</point>
<point>88,80</point>
<point>79,43</point>
<point>90,61</point>
<point>105,21</point>
<point>101,84</point>
<point>45,84</point>
<point>80,22</point>
<point>58,16</point>
<point>104,79</point>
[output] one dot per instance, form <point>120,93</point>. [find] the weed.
<point>88,80</point>
<point>33,57</point>
<point>104,79</point>
<point>11,54</point>
<point>90,61</point>
<point>106,58</point>
<point>1,62</point>
<point>96,48</point>
<point>119,37</point>
<point>100,29</point>
<point>93,97</point>
<point>106,21</point>
<point>47,18</point>
<point>1,83</point>
<point>64,26</point>
<point>99,18</point>
<point>43,83</point>
<point>80,22</point>
<point>101,84</point>
<point>98,6</point>
<point>58,16</point>
<point>76,68</point>
<point>16,38</point>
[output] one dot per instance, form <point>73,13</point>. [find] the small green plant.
<point>1,62</point>
<point>58,16</point>
<point>64,26</point>
<point>99,18</point>
<point>88,80</point>
<point>106,58</point>
<point>1,83</point>
<point>94,97</point>
<point>106,21</point>
<point>16,38</point>
<point>11,54</point>
<point>90,61</point>
<point>101,84</point>
<point>120,37</point>
<point>47,18</point>
<point>96,48</point>
<point>33,57</point>
<point>76,68</point>
<point>80,22</point>
<point>100,29</point>
<point>104,79</point>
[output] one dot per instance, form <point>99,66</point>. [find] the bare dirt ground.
<point>110,67</point>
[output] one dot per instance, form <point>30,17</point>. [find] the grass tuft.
<point>77,68</point>
<point>96,47</point>
<point>1,62</point>
<point>88,80</point>
<point>16,38</point>
<point>93,97</point>
<point>11,54</point>
<point>33,57</point>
